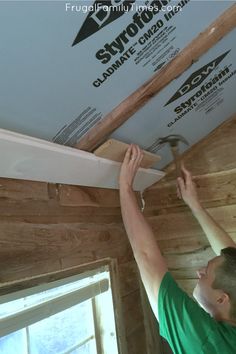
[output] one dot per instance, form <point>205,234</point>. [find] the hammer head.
<point>173,140</point>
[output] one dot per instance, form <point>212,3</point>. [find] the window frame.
<point>25,287</point>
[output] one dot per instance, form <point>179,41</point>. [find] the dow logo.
<point>196,78</point>
<point>103,12</point>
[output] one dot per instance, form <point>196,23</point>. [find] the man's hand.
<point>217,237</point>
<point>130,165</point>
<point>186,189</point>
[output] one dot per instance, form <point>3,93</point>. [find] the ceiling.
<point>66,65</point>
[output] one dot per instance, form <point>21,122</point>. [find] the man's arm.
<point>217,237</point>
<point>151,264</point>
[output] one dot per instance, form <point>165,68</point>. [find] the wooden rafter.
<point>200,45</point>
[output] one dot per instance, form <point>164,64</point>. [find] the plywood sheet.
<point>115,150</point>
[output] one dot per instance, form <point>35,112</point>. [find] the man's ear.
<point>223,298</point>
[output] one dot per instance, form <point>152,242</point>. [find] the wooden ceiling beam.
<point>200,45</point>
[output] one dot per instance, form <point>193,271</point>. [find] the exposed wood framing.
<point>200,45</point>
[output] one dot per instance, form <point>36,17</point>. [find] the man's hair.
<point>226,277</point>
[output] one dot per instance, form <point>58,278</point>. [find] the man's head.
<point>216,287</point>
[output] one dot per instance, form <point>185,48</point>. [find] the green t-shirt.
<point>187,327</point>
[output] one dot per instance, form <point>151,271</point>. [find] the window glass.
<point>88,348</point>
<point>56,334</point>
<point>62,331</point>
<point>14,343</point>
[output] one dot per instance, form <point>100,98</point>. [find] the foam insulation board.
<point>192,105</point>
<point>65,65</point>
<point>38,160</point>
<point>115,150</point>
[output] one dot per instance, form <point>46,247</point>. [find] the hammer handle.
<point>175,152</point>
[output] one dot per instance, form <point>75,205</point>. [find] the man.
<point>189,328</point>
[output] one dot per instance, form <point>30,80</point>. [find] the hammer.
<point>173,141</point>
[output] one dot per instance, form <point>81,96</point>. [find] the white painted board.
<point>28,158</point>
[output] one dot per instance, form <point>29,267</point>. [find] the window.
<point>70,316</point>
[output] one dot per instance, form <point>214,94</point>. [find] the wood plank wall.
<point>48,228</point>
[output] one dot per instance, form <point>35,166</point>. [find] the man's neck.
<point>230,322</point>
<point>223,318</point>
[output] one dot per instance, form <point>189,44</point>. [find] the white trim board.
<point>29,158</point>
